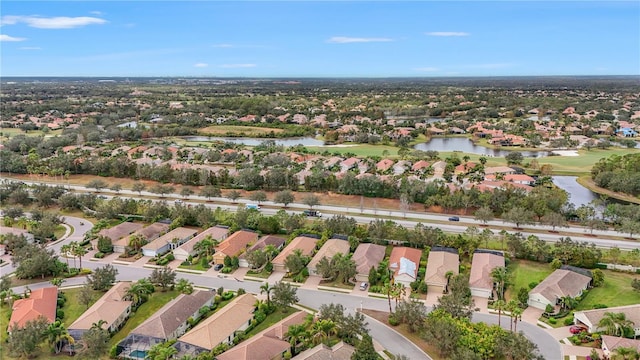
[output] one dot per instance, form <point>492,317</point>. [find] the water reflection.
<point>467,146</point>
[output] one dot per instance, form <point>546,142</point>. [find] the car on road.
<point>217,267</point>
<point>253,206</point>
<point>313,213</point>
<point>575,329</point>
<point>364,286</point>
<point>454,218</point>
<point>178,201</point>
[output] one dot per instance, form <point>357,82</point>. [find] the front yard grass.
<point>155,302</point>
<point>271,319</point>
<point>264,274</point>
<point>524,272</point>
<point>72,307</point>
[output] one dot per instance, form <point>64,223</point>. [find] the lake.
<point>306,141</point>
<point>463,144</point>
<point>578,194</point>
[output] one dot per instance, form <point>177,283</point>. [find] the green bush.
<point>533,284</point>
<point>423,287</point>
<point>59,314</point>
<point>393,321</point>
<point>85,271</point>
<point>113,352</point>
<point>553,321</point>
<point>61,302</point>
<point>227,295</point>
<point>99,255</point>
<point>568,321</point>
<point>170,257</point>
<point>241,291</point>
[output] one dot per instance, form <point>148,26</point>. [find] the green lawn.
<point>271,319</point>
<point>361,150</point>
<point>616,291</point>
<point>72,308</point>
<point>155,302</point>
<point>5,316</point>
<point>525,272</point>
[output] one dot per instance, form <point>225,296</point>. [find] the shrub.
<point>568,321</point>
<point>85,271</point>
<point>269,267</point>
<point>600,306</point>
<point>553,321</point>
<point>533,284</point>
<point>241,291</point>
<point>393,321</point>
<point>423,287</point>
<point>227,295</point>
<point>59,314</point>
<point>170,257</point>
<point>98,255</point>
<point>60,302</point>
<point>113,352</point>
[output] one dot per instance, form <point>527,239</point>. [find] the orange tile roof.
<point>41,302</point>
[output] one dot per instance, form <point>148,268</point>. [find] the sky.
<point>319,38</point>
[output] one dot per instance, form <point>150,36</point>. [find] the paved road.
<point>408,219</point>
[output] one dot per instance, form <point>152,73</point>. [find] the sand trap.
<point>566,152</point>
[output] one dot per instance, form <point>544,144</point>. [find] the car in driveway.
<point>454,218</point>
<point>575,329</point>
<point>218,267</point>
<point>364,286</point>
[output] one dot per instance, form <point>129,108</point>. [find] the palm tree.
<point>205,245</point>
<point>57,335</point>
<point>499,305</point>
<point>161,351</point>
<point>79,251</point>
<point>516,312</point>
<point>616,324</point>
<point>323,329</point>
<point>98,325</point>
<point>500,276</point>
<point>512,305</point>
<point>568,302</point>
<point>626,353</point>
<point>64,250</point>
<point>184,286</point>
<point>139,292</point>
<point>266,288</point>
<point>296,333</point>
<point>136,241</point>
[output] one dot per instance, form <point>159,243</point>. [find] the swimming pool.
<point>138,354</point>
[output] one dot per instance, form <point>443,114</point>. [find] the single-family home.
<point>148,233</point>
<point>168,241</point>
<point>480,280</point>
<point>273,240</point>
<point>234,245</point>
<point>498,170</point>
<point>119,231</point>
<point>305,243</point>
<point>111,307</point>
<point>367,256</point>
<point>384,165</point>
<point>404,262</point>
<point>217,233</point>
<point>330,248</point>
<point>339,351</point>
<point>441,261</point>
<point>626,132</point>
<point>566,281</point>
<point>168,323</point>
<point>5,230</point>
<point>41,302</point>
<point>219,328</point>
<point>611,343</point>
<point>591,318</point>
<point>269,344</point>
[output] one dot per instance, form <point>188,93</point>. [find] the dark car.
<point>577,329</point>
<point>454,218</point>
<point>217,267</point>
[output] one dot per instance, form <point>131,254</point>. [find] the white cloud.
<point>60,22</point>
<point>347,40</point>
<point>448,33</point>
<point>231,66</point>
<point>427,69</point>
<point>201,65</point>
<point>30,48</point>
<point>8,38</point>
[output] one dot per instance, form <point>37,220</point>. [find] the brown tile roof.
<point>615,342</point>
<point>173,314</point>
<point>439,264</point>
<point>41,302</point>
<point>108,308</point>
<point>632,313</point>
<point>481,266</point>
<point>149,233</point>
<point>266,345</point>
<point>222,324</point>
<point>561,283</point>
<point>304,243</point>
<point>236,242</point>
<point>216,232</point>
<point>366,256</point>
<point>120,230</point>
<point>177,233</point>
<point>329,250</point>
<point>400,252</point>
<point>276,241</point>
<point>339,351</point>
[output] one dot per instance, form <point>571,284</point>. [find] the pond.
<point>463,144</point>
<point>578,194</point>
<point>306,141</point>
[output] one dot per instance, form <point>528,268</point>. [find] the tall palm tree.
<point>139,292</point>
<point>98,324</point>
<point>79,251</point>
<point>184,286</point>
<point>323,329</point>
<point>568,302</point>
<point>516,312</point>
<point>136,241</point>
<point>64,250</point>
<point>266,288</point>
<point>296,333</point>
<point>615,324</point>
<point>57,335</point>
<point>626,353</point>
<point>499,305</point>
<point>500,276</point>
<point>512,305</point>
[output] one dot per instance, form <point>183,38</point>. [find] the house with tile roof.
<point>305,243</point>
<point>119,231</point>
<point>111,307</point>
<point>168,323</point>
<point>41,302</point>
<point>610,344</point>
<point>330,248</point>
<point>339,351</point>
<point>219,328</point>
<point>168,241</point>
<point>560,283</point>
<point>441,261</point>
<point>367,256</point>
<point>218,233</point>
<point>404,262</point>
<point>591,318</point>
<point>5,230</point>
<point>234,245</point>
<point>275,241</point>
<point>269,344</point>
<point>149,233</point>
<point>480,280</point>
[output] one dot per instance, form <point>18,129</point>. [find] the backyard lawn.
<point>72,308</point>
<point>155,302</point>
<point>616,291</point>
<point>270,320</point>
<point>523,273</point>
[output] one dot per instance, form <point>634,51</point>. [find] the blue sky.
<point>319,38</point>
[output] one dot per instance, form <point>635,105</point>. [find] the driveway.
<point>531,315</point>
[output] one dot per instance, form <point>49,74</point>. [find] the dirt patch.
<point>415,338</point>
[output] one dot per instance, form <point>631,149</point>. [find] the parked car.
<point>364,286</point>
<point>312,213</point>
<point>575,329</point>
<point>217,267</point>
<point>454,218</point>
